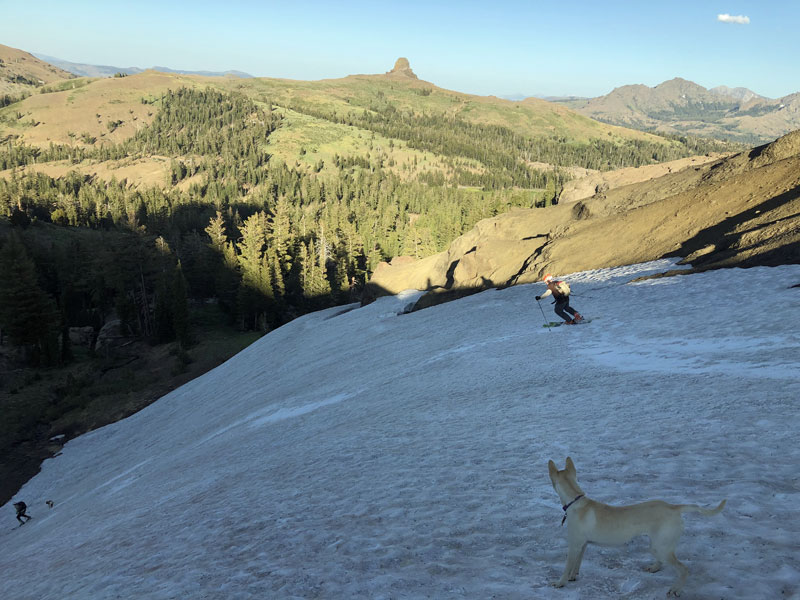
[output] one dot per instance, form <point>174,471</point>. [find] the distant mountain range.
<point>84,70</point>
<point>740,93</point>
<point>679,106</point>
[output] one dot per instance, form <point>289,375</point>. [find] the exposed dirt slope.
<point>145,172</point>
<point>64,117</point>
<point>600,182</point>
<point>22,72</point>
<point>743,210</point>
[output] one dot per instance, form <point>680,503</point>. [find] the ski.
<point>560,323</point>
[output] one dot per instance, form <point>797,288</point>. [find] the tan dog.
<point>598,523</point>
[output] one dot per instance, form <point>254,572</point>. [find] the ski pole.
<point>541,309</point>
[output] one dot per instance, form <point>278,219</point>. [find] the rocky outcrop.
<point>737,211</point>
<point>111,337</point>
<point>497,252</point>
<point>81,336</point>
<point>402,68</point>
<point>602,181</point>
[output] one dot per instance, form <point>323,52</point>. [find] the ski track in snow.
<point>366,453</point>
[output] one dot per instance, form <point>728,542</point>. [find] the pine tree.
<point>251,248</point>
<point>216,231</point>
<point>314,281</point>
<point>179,307</point>
<point>28,315</point>
<point>227,280</point>
<point>280,234</point>
<point>163,329</point>
<point>276,272</point>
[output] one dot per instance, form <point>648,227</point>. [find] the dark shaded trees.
<point>28,316</point>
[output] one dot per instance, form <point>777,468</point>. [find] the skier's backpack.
<point>562,288</point>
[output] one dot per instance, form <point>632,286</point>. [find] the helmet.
<point>547,278</point>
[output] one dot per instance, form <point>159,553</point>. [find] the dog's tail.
<point>708,512</point>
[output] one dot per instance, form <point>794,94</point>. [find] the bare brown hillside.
<point>600,182</point>
<point>22,72</point>
<point>743,210</point>
<point>72,115</point>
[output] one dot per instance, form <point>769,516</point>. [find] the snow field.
<point>361,453</point>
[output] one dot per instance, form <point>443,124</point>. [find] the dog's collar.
<point>566,506</point>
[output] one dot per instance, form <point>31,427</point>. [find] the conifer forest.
<point>265,240</point>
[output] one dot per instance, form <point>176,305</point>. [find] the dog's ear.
<point>571,466</point>
<point>551,468</point>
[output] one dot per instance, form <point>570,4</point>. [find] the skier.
<point>560,291</point>
<point>21,508</point>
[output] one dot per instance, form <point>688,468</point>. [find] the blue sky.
<point>503,47</point>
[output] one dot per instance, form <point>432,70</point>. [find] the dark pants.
<point>563,307</point>
<point>21,508</point>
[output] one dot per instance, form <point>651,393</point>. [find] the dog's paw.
<point>673,593</point>
<point>558,584</point>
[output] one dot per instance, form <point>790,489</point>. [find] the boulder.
<point>111,337</point>
<point>81,336</point>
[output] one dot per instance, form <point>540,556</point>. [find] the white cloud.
<point>740,19</point>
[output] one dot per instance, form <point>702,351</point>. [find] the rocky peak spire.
<point>402,67</point>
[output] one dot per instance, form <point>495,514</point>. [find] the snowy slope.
<point>358,453</point>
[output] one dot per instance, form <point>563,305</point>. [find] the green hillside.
<point>328,177</point>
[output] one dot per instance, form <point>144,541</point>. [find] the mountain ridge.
<point>680,106</point>
<point>740,93</point>
<point>61,115</point>
<point>675,107</point>
<point>91,70</point>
